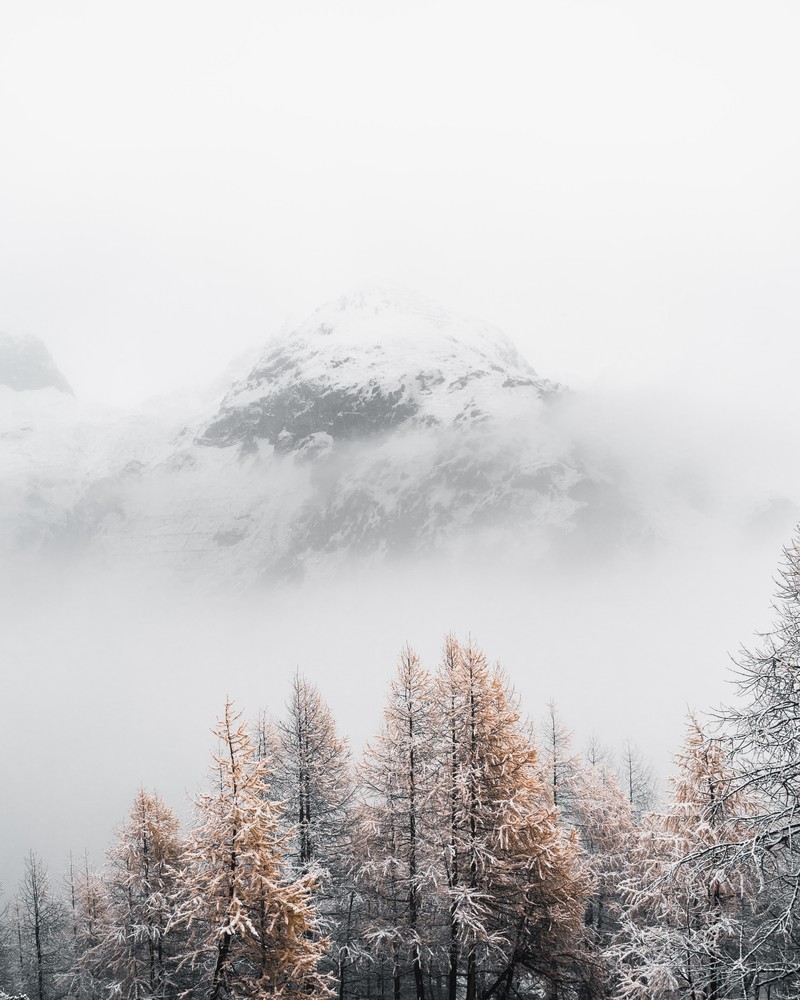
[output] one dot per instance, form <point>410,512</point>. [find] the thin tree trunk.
<point>416,962</point>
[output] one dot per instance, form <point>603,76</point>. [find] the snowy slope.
<point>370,362</point>
<point>61,456</point>
<point>381,427</point>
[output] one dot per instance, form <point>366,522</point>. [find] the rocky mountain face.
<point>382,427</point>
<point>371,363</point>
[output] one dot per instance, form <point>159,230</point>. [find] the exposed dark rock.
<point>287,418</point>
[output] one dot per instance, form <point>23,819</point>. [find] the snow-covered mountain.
<point>26,364</point>
<point>372,362</point>
<point>382,426</point>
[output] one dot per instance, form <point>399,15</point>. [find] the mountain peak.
<point>389,315</point>
<point>26,364</point>
<point>370,361</point>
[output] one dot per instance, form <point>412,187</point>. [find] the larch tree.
<point>250,922</point>
<point>602,815</point>
<point>134,953</point>
<point>685,924</point>
<point>590,802</point>
<point>515,880</point>
<point>9,956</point>
<point>560,764</point>
<point>598,754</point>
<point>43,935</point>
<point>451,753</point>
<point>399,865</point>
<point>761,734</point>
<point>312,775</point>
<point>636,780</point>
<point>88,904</point>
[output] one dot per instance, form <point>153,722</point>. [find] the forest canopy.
<point>466,854</point>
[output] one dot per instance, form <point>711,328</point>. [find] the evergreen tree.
<point>42,933</point>
<point>560,765</point>
<point>761,736</point>
<point>602,816</point>
<point>591,803</point>
<point>311,773</point>
<point>89,922</point>
<point>636,779</point>
<point>251,925</point>
<point>686,920</point>
<point>134,953</point>
<point>515,881</point>
<point>9,960</point>
<point>399,867</point>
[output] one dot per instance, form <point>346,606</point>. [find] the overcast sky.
<point>615,184</point>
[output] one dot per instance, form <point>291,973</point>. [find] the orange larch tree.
<point>251,924</point>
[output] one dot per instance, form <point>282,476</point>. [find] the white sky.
<point>615,184</point>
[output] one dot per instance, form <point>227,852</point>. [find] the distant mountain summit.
<point>26,365</point>
<point>368,363</point>
<point>382,427</point>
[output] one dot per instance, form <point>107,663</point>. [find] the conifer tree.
<point>89,924</point>
<point>761,734</point>
<point>42,931</point>
<point>134,954</point>
<point>683,930</point>
<point>636,780</point>
<point>448,697</point>
<point>9,962</point>
<point>251,925</point>
<point>602,816</point>
<point>399,867</point>
<point>515,881</point>
<point>311,774</point>
<point>560,764</point>
<point>591,803</point>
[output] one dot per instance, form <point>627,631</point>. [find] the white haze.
<point>113,680</point>
<point>614,184</point>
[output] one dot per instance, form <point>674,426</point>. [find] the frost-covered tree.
<point>636,780</point>
<point>42,930</point>
<point>761,735</point>
<point>598,754</point>
<point>515,881</point>
<point>9,960</point>
<point>87,902</point>
<point>250,922</point>
<point>311,773</point>
<point>602,816</point>
<point>400,863</point>
<point>133,954</point>
<point>687,918</point>
<point>560,764</point>
<point>591,803</point>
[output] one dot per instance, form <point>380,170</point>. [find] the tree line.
<point>463,857</point>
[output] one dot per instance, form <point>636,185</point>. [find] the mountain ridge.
<point>368,362</point>
<point>380,427</point>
